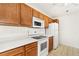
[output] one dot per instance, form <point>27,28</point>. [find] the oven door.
<point>43,48</point>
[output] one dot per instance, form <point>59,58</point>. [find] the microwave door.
<point>36,23</point>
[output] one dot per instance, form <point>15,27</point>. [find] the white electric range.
<point>39,35</point>
<point>42,45</point>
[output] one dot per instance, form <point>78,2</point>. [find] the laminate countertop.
<point>10,44</point>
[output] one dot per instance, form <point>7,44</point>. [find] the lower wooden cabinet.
<point>31,49</point>
<point>50,43</point>
<point>14,52</point>
<point>31,52</point>
<point>20,54</point>
<point>26,50</point>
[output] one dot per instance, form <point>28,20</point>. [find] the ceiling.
<point>57,9</point>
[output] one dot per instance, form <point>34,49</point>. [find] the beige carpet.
<point>63,50</point>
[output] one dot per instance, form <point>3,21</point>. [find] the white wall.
<point>69,30</point>
<point>12,33</point>
<point>8,33</point>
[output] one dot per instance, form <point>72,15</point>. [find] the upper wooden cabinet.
<point>35,13</point>
<point>46,21</point>
<point>56,20</point>
<point>50,20</point>
<point>21,14</point>
<point>38,14</point>
<point>10,13</point>
<point>26,15</point>
<point>41,16</point>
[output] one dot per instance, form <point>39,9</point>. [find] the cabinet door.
<point>56,20</point>
<point>31,49</point>
<point>10,13</point>
<point>46,21</point>
<point>32,52</point>
<point>26,15</point>
<point>50,20</point>
<point>41,16</point>
<point>35,13</point>
<point>50,43</point>
<point>13,52</point>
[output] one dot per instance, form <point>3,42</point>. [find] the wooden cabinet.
<point>50,20</point>
<point>46,21</point>
<point>35,13</point>
<point>20,54</point>
<point>14,52</point>
<point>21,14</point>
<point>32,52</point>
<point>26,50</point>
<point>41,16</point>
<point>10,13</point>
<point>56,20</point>
<point>26,15</point>
<point>38,14</point>
<point>50,43</point>
<point>31,49</point>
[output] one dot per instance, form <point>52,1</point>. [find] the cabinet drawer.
<point>29,46</point>
<point>13,52</point>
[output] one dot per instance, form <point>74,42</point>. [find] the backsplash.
<point>15,33</point>
<point>36,31</point>
<point>10,32</point>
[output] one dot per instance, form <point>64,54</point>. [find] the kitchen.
<point>26,30</point>
<point>23,31</point>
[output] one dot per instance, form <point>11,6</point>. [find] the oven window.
<point>43,46</point>
<point>37,23</point>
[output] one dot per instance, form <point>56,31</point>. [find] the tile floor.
<point>63,50</point>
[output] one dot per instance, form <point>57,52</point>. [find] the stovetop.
<point>39,37</point>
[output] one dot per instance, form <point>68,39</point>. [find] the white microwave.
<point>38,22</point>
